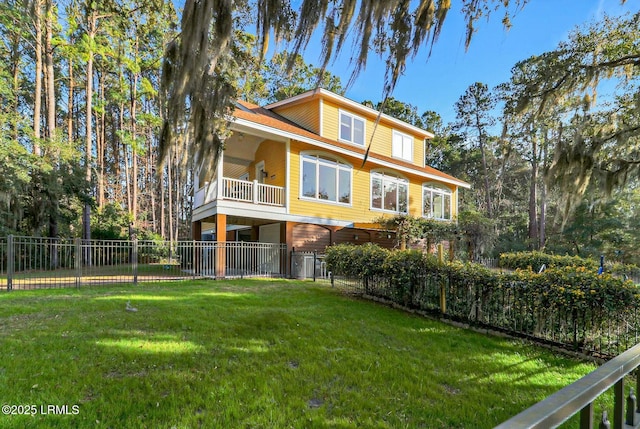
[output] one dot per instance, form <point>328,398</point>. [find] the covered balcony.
<point>250,177</point>
<point>240,190</point>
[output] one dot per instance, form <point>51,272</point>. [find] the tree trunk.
<point>92,21</point>
<point>70,104</point>
<point>533,194</point>
<point>100,145</point>
<point>170,183</point>
<point>485,171</point>
<point>50,74</point>
<point>162,206</point>
<point>51,121</point>
<point>134,149</point>
<point>37,92</point>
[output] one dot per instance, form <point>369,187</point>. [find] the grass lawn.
<point>256,354</point>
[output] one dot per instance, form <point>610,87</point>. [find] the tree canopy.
<point>198,72</point>
<point>600,145</point>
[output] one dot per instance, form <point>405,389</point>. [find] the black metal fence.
<point>510,307</point>
<point>308,265</point>
<point>35,262</point>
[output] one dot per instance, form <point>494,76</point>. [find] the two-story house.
<point>293,172</point>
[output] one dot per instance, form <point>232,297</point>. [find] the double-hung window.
<point>351,128</point>
<point>402,146</point>
<point>326,179</point>
<point>389,193</point>
<point>436,202</point>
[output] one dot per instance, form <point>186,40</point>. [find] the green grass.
<point>259,354</point>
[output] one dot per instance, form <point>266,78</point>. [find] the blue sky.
<point>437,83</point>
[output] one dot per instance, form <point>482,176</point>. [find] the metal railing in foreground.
<point>34,262</point>
<point>579,396</point>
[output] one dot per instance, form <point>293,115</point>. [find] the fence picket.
<point>33,262</point>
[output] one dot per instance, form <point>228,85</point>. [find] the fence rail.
<point>510,308</point>
<point>33,262</point>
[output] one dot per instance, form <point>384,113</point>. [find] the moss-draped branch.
<point>198,77</point>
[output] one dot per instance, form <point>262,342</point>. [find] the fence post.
<point>79,256</point>
<point>443,297</point>
<point>193,259</point>
<point>134,262</point>
<point>315,258</point>
<point>10,262</point>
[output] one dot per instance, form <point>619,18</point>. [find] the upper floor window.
<point>436,202</point>
<point>351,128</point>
<point>326,179</point>
<point>402,146</point>
<point>389,192</point>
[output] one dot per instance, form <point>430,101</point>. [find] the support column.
<point>196,230</point>
<point>221,245</point>
<point>196,249</point>
<point>286,237</point>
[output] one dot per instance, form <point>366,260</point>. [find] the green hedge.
<point>568,304</point>
<point>532,261</point>
<point>356,261</point>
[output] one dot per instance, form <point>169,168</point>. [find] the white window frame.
<point>352,119</point>
<point>336,163</point>
<point>434,190</point>
<point>385,179</point>
<point>402,148</point>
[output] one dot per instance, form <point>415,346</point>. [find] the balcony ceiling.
<point>241,148</point>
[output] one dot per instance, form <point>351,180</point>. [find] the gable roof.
<point>354,105</point>
<point>264,119</point>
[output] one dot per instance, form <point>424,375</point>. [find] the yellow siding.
<point>306,114</point>
<point>274,155</point>
<point>359,210</point>
<point>382,133</point>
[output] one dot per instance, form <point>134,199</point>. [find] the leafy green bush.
<point>569,304</point>
<point>534,260</point>
<point>403,269</point>
<point>571,288</point>
<point>356,261</point>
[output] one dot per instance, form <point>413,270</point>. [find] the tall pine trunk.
<point>92,21</point>
<point>37,91</point>
<point>51,118</point>
<point>533,194</point>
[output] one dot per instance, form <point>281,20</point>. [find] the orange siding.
<point>306,114</point>
<point>274,155</point>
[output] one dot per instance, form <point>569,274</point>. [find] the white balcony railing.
<point>238,190</point>
<point>241,190</point>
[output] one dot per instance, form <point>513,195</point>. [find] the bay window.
<point>389,192</point>
<point>436,202</point>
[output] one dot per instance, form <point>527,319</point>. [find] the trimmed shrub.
<point>356,260</point>
<point>567,304</point>
<point>403,269</point>
<point>532,261</point>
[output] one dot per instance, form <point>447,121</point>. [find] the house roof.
<point>354,105</point>
<point>262,118</point>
